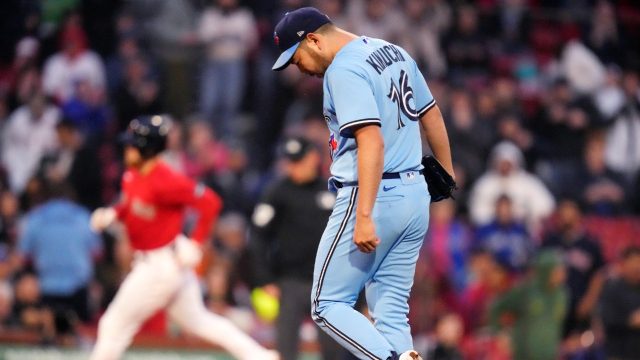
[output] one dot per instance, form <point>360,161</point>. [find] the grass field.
<point>8,352</point>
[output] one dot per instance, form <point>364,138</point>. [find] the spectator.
<point>229,267</point>
<point>511,127</point>
<point>490,279</point>
<point>473,138</point>
<point>620,309</point>
<point>506,238</point>
<point>601,190</point>
<point>584,262</point>
<point>204,156</point>
<point>605,36</point>
<point>28,135</point>
<point>74,63</point>
<point>287,226</point>
<point>536,309</point>
<point>8,230</point>
<point>465,46</point>
<point>171,31</point>
<point>505,92</point>
<point>33,194</point>
<point>610,98</point>
<point>439,15</point>
<point>229,33</point>
<point>6,305</point>
<point>310,98</point>
<point>60,226</point>
<point>582,68</point>
<point>376,19</point>
<point>87,109</point>
<point>532,202</point>
<point>561,131</point>
<point>636,197</point>
<point>218,286</point>
<point>138,94</point>
<point>127,48</point>
<point>29,313</point>
<point>514,21</point>
<point>26,56</point>
<point>421,40</point>
<point>622,152</point>
<point>447,246</point>
<point>449,331</point>
<point>174,154</point>
<point>76,163</point>
<point>335,10</point>
<point>28,84</point>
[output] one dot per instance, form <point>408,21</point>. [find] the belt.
<point>393,175</point>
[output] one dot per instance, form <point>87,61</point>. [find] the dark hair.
<point>325,28</point>
<point>58,190</point>
<point>66,124</point>
<point>629,251</point>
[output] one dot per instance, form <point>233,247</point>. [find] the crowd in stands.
<point>542,105</point>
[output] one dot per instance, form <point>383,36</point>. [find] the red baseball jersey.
<point>153,206</point>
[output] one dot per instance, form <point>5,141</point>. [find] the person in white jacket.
<point>228,32</point>
<point>28,135</point>
<point>532,201</point>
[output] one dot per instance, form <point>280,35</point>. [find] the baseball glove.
<point>440,183</point>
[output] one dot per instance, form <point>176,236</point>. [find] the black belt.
<point>393,175</point>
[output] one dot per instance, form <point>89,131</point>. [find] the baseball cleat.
<point>410,355</point>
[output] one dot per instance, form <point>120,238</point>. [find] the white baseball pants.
<point>157,281</point>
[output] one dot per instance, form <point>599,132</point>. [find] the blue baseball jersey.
<point>372,81</point>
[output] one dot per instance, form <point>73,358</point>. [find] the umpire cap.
<point>148,134</point>
<point>295,148</point>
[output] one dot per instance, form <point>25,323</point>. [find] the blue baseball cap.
<point>292,28</point>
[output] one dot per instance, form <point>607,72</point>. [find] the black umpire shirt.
<point>287,226</point>
<point>618,301</point>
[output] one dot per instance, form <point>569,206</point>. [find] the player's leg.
<point>231,97</point>
<point>294,307</point>
<point>340,272</point>
<point>388,291</point>
<point>148,288</point>
<point>329,348</point>
<point>209,94</point>
<point>188,311</point>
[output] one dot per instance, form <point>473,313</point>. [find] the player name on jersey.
<point>382,57</point>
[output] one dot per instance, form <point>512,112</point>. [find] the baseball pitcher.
<point>375,100</point>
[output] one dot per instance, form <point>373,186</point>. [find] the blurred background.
<point>541,98</point>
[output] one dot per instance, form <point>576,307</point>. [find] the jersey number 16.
<point>401,95</point>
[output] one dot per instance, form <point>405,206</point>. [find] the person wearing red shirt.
<point>152,209</point>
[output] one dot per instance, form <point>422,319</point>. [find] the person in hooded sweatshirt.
<point>532,313</point>
<point>532,201</point>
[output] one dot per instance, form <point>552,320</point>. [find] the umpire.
<point>287,226</point>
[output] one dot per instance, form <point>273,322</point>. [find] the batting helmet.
<point>148,134</point>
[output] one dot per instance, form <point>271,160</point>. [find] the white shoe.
<point>410,355</point>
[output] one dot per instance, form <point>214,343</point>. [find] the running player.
<point>152,209</point>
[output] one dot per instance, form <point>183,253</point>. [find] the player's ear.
<point>314,41</point>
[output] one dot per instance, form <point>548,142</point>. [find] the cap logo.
<point>300,33</point>
<point>293,146</point>
<point>276,39</point>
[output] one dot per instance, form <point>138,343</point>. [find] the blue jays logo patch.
<point>333,144</point>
